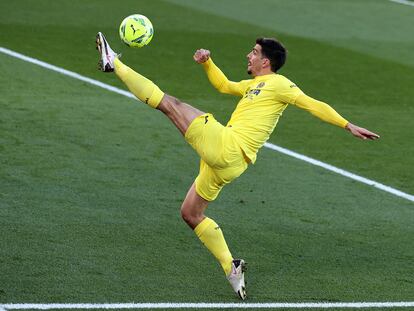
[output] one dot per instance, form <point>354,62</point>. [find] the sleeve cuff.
<point>207,63</point>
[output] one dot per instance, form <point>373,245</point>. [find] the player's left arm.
<point>216,77</point>
<point>326,113</point>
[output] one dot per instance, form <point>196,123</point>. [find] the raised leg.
<point>180,114</point>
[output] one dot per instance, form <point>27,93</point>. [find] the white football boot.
<point>236,277</point>
<point>106,63</point>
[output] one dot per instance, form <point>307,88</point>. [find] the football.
<point>136,30</point>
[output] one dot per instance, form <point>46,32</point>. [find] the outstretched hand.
<point>201,56</point>
<point>361,132</point>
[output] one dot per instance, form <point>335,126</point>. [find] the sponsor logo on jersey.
<point>250,93</point>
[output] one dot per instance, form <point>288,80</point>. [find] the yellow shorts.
<point>222,159</point>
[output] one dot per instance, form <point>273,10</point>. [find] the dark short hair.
<point>274,51</point>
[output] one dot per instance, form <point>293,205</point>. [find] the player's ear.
<point>266,62</point>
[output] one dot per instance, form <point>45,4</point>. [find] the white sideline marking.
<point>340,171</point>
<point>268,145</point>
<point>169,305</point>
<point>406,2</point>
<point>66,72</point>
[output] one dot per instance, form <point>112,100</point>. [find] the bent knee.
<point>186,214</point>
<point>190,216</point>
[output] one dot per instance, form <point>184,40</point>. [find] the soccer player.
<point>226,151</point>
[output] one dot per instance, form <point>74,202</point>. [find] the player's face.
<point>255,61</point>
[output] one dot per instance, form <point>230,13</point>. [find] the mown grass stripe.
<point>267,145</point>
<point>406,2</point>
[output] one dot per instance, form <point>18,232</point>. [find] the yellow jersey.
<point>263,101</point>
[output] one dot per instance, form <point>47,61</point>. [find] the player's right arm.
<point>326,113</point>
<point>289,93</point>
<point>217,78</point>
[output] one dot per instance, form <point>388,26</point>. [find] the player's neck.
<point>264,72</point>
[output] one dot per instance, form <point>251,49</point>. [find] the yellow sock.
<point>212,237</point>
<point>141,87</point>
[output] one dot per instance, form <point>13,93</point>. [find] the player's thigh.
<point>180,113</point>
<point>206,135</point>
<point>210,181</point>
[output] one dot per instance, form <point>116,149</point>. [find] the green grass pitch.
<point>91,181</point>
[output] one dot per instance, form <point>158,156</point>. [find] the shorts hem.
<point>202,195</point>
<point>192,124</point>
